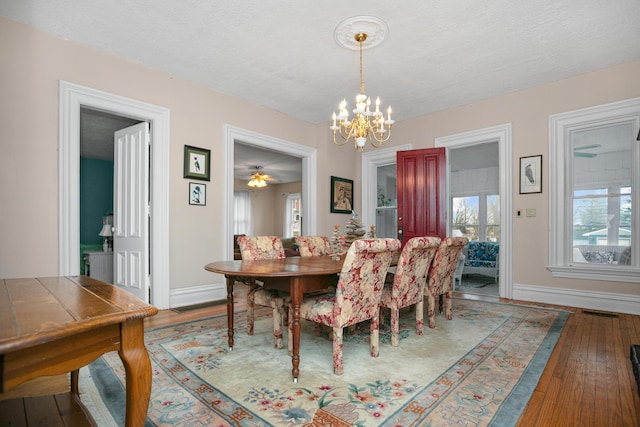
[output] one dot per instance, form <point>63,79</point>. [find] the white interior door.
<point>131,210</point>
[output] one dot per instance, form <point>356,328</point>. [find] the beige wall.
<point>33,63</point>
<point>31,67</point>
<point>529,111</point>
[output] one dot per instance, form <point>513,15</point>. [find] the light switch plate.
<point>531,212</point>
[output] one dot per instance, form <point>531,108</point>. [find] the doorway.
<point>500,135</point>
<point>474,207</point>
<point>72,98</point>
<point>308,155</point>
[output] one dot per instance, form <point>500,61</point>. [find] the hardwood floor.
<point>588,380</point>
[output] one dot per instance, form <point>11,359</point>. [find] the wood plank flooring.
<point>588,380</point>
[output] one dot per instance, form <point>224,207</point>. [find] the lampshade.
<point>106,231</point>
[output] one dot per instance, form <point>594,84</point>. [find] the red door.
<point>421,188</point>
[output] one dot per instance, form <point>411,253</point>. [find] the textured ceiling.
<point>282,54</point>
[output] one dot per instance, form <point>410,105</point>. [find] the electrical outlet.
<point>531,212</point>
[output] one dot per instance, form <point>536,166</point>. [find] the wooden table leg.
<point>296,299</point>
<point>230,282</point>
<point>75,377</point>
<point>137,367</point>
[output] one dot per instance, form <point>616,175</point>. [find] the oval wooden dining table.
<point>296,275</point>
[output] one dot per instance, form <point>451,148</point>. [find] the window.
<point>595,176</point>
<point>293,215</point>
<point>476,217</point>
<point>241,212</point>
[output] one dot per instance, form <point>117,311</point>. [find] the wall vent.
<point>600,313</point>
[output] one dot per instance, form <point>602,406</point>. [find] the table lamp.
<point>106,234</point>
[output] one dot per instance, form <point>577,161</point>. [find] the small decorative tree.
<point>337,242</point>
<point>354,229</point>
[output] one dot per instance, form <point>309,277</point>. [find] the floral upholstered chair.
<point>409,282</point>
<point>264,247</point>
<point>357,295</point>
<point>440,276</point>
<point>313,245</point>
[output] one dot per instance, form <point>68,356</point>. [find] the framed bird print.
<point>197,194</point>
<point>197,163</point>
<point>531,174</point>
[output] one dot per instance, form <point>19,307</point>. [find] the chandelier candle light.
<point>367,124</point>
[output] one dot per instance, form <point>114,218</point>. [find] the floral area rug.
<point>475,370</point>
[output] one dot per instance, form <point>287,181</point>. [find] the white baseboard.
<point>602,301</point>
<point>198,294</point>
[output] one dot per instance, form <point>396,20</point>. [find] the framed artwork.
<point>531,174</point>
<point>197,163</point>
<point>197,194</point>
<point>341,195</point>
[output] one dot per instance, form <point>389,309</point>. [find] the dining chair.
<point>440,276</point>
<point>408,284</point>
<point>316,246</point>
<point>257,248</point>
<point>313,245</point>
<point>357,294</point>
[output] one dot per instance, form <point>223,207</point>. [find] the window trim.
<point>288,213</point>
<point>560,223</point>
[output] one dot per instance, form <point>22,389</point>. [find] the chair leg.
<point>419,317</point>
<point>277,328</point>
<point>448,305</point>
<point>395,327</point>
<point>431,311</point>
<point>375,338</point>
<point>337,351</point>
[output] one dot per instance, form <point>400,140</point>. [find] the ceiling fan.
<point>258,179</point>
<point>577,151</point>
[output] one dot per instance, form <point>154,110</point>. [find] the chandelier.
<point>367,124</point>
<point>258,179</point>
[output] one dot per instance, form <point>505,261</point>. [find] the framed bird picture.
<point>531,174</point>
<point>197,194</point>
<point>197,163</point>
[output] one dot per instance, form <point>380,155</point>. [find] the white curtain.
<point>242,212</point>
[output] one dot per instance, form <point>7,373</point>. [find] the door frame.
<point>72,98</point>
<point>502,135</point>
<point>309,158</point>
<point>370,162</point>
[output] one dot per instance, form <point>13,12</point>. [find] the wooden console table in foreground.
<point>55,325</point>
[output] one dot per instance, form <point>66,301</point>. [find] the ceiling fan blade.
<point>587,147</point>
